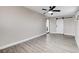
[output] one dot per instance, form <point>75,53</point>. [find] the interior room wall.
<point>52,25</point>
<point>77,33</point>
<point>59,26</point>
<point>77,28</point>
<point>69,26</point>
<point>19,23</point>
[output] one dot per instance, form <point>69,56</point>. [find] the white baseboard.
<point>15,43</point>
<point>63,34</point>
<point>56,33</point>
<point>68,34</point>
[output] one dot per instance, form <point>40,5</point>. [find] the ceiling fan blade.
<point>56,10</point>
<point>51,13</point>
<point>51,8</point>
<point>44,9</point>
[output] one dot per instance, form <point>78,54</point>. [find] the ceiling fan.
<point>50,10</point>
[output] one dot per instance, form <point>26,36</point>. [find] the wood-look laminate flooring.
<point>50,43</point>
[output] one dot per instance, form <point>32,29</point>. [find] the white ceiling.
<point>66,11</point>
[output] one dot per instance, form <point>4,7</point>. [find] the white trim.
<point>15,43</point>
<point>56,33</point>
<point>69,34</point>
<point>63,34</point>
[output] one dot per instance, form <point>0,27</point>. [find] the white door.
<point>59,26</point>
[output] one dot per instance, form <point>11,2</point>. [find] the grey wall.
<point>69,26</point>
<point>77,28</point>
<point>19,23</point>
<point>52,25</point>
<point>77,32</point>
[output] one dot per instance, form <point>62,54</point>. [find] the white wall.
<point>19,23</point>
<point>77,33</point>
<point>69,26</point>
<point>59,26</point>
<point>52,25</point>
<point>77,29</point>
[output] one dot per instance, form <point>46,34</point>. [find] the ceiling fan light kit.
<point>50,10</point>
